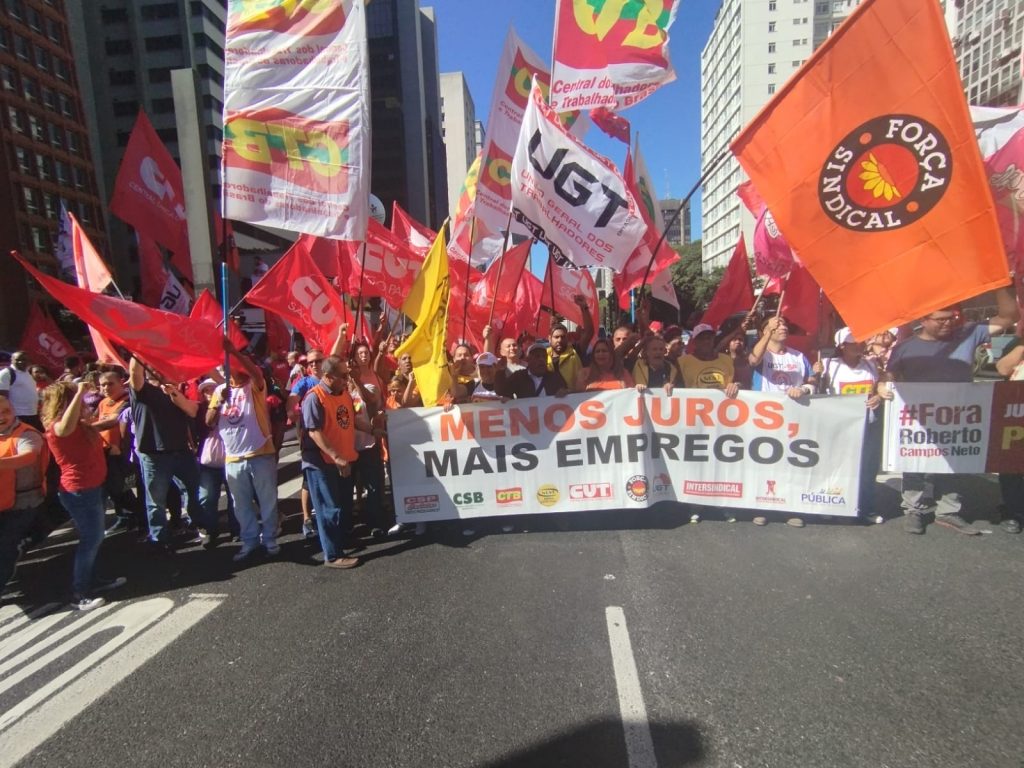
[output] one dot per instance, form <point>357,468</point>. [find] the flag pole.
<point>227,356</point>
<point>359,300</point>
<point>519,279</point>
<point>501,264</point>
<point>675,216</point>
<point>469,261</point>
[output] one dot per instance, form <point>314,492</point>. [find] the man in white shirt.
<point>20,388</point>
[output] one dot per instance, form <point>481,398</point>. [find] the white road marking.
<point>639,745</point>
<point>143,629</point>
<point>12,617</point>
<point>289,488</point>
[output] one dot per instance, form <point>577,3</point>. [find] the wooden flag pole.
<point>501,264</point>
<point>359,300</point>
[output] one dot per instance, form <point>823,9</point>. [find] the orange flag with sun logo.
<point>868,162</point>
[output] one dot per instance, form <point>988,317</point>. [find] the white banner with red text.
<point>955,428</point>
<point>624,450</point>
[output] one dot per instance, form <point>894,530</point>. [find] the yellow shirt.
<point>707,374</point>
<point>568,365</point>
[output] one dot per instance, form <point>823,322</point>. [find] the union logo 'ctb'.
<point>886,174</point>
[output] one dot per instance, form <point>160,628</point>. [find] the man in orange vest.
<point>329,422</point>
<point>23,458</point>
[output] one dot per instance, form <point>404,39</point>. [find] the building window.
<point>771,69</point>
<point>122,77</point>
<point>23,159</point>
<point>16,119</point>
<point>35,22</point>
<point>771,26</point>
<point>160,11</point>
<point>63,172</point>
<point>56,136</point>
<point>29,196</point>
<point>8,78</point>
<point>14,9</point>
<point>125,108</point>
<point>201,41</point>
<point>164,43</point>
<point>160,75</point>
<point>30,89</point>
<point>113,15</point>
<point>67,107</point>
<point>36,128</point>
<point>117,47</point>
<point>168,135</point>
<point>771,5</point>
<point>21,48</point>
<point>74,143</point>
<point>43,59</point>
<point>796,63</point>
<point>53,31</point>
<point>771,87</point>
<point>162,106</point>
<point>61,69</point>
<point>79,176</point>
<point>44,166</point>
<point>771,47</point>
<point>41,239</point>
<point>51,206</point>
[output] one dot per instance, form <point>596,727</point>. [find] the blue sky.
<point>470,36</point>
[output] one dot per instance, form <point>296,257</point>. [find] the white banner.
<point>955,428</point>
<point>174,297</point>
<point>623,450</point>
<point>296,117</point>
<point>569,197</point>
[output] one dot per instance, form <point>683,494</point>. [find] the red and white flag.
<point>387,267</point>
<point>569,197</point>
<point>406,228</point>
<point>297,117</point>
<point>562,285</point>
<point>149,194</point>
<point>178,347</point>
<point>1000,133</point>
<point>611,54</point>
<point>44,342</point>
<point>297,291</point>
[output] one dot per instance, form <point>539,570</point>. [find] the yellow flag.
<point>427,306</point>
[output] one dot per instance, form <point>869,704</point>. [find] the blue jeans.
<point>331,495</point>
<point>86,509</point>
<point>211,481</point>
<point>157,471</point>
<point>369,472</point>
<point>252,480</point>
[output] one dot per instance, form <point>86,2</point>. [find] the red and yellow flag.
<point>868,162</point>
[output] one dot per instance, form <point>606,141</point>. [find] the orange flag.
<point>868,161</point>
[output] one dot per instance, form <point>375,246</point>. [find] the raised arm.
<point>1008,312</point>
<point>136,374</point>
<point>68,422</point>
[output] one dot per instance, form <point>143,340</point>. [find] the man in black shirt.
<point>535,380</point>
<point>163,442</point>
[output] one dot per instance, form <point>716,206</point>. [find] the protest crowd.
<point>866,245</point>
<point>195,462</point>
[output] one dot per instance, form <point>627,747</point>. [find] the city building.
<point>479,136</point>
<point>754,47</point>
<point>408,165</point>
<point>45,155</point>
<point>988,44</point>
<point>126,50</point>
<point>458,115</point>
<point>678,233</point>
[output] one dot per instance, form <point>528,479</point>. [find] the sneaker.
<point>120,524</point>
<point>913,523</point>
<point>956,523</point>
<point>1010,524</point>
<point>273,551</point>
<point>760,520</point>
<point>309,529</point>
<point>342,563</point>
<point>87,603</point>
<point>695,518</point>
<point>795,522</point>
<point>396,529</point>
<point>106,585</point>
<point>244,554</point>
<point>376,534</point>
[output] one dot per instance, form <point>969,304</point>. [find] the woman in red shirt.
<point>78,451</point>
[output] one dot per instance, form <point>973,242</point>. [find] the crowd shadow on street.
<point>600,744</point>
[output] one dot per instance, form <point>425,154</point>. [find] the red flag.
<point>152,272</point>
<point>278,337</point>
<point>209,310</point>
<point>90,270</point>
<point>497,289</point>
<point>415,235</point>
<point>751,198</point>
<point>569,283</point>
<point>178,347</point>
<point>772,255</point>
<point>611,123</point>
<point>391,266</point>
<point>297,291</point>
<point>735,293</point>
<point>44,342</point>
<point>148,193</point>
<point>526,310</point>
<point>802,305</point>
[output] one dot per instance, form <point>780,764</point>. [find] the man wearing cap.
<point>483,389</point>
<point>707,368</point>
<point>943,351</point>
<point>778,367</point>
<point>20,388</point>
<point>535,380</point>
<point>565,358</point>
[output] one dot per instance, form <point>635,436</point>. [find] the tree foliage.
<point>694,288</point>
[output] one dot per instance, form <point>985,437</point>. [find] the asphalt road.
<point>831,645</point>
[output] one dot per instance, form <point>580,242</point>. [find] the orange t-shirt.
<point>108,409</point>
